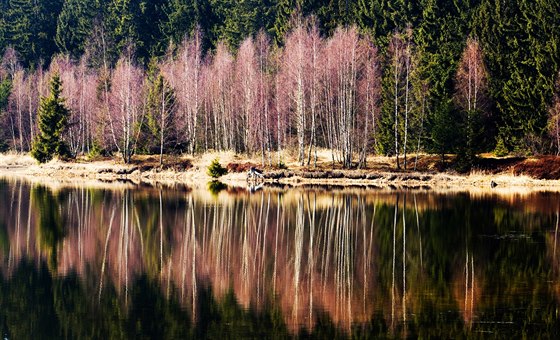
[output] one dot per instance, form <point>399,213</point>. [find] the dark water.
<point>125,261</point>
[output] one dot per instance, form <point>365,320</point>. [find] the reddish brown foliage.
<point>547,167</point>
<point>240,167</point>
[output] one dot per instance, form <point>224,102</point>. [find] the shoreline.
<point>107,171</point>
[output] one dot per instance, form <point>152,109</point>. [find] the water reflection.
<point>286,261</point>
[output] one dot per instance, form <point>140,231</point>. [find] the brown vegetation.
<point>546,167</point>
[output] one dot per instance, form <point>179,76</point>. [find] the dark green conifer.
<point>53,118</point>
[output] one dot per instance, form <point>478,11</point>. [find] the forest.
<point>356,77</point>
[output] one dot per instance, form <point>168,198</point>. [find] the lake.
<point>138,261</point>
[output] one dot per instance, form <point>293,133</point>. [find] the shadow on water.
<point>315,262</point>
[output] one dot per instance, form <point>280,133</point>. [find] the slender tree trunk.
<point>396,89</point>
<point>421,130</point>
<point>20,122</point>
<point>162,127</point>
<point>31,134</point>
<point>406,104</point>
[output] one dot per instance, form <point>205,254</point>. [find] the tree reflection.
<point>50,226</point>
<point>297,261</point>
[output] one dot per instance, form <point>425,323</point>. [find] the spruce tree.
<point>75,26</point>
<point>53,117</point>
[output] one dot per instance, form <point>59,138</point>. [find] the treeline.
<point>358,77</point>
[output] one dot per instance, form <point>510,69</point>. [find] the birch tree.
<point>295,67</point>
<point>369,98</point>
<point>246,81</point>
<point>471,83</point>
<point>219,97</point>
<point>125,100</point>
<point>188,86</point>
<point>161,112</point>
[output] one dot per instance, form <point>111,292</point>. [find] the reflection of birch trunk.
<point>404,256</point>
<point>326,254</point>
<point>262,269</point>
<point>169,266</point>
<point>160,233</point>
<point>368,255</point>
<point>245,251</point>
<point>276,242</point>
<point>419,233</point>
<point>393,266</point>
<point>193,245</point>
<point>555,235</point>
<point>298,250</point>
<point>310,258</point>
<point>18,220</point>
<point>469,287</point>
<point>184,247</point>
<point>103,263</point>
<point>28,234</point>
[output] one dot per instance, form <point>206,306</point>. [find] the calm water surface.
<point>141,261</point>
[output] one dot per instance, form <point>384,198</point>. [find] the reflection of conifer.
<point>50,223</point>
<point>53,117</point>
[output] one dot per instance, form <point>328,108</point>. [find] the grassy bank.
<point>522,173</point>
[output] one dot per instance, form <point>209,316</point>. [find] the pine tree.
<point>75,25</point>
<point>3,26</point>
<point>53,117</point>
<point>121,27</point>
<point>20,29</point>
<point>180,20</point>
<point>31,27</point>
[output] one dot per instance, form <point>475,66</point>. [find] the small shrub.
<point>3,146</point>
<point>94,152</point>
<point>501,150</point>
<point>282,166</point>
<point>215,169</point>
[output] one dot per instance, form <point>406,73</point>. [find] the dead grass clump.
<point>170,162</point>
<point>547,167</point>
<point>278,174</point>
<point>240,167</point>
<point>179,164</point>
<point>493,165</point>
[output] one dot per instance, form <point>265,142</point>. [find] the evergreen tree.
<point>21,29</point>
<point>3,26</point>
<point>285,11</point>
<point>75,25</point>
<point>381,17</point>
<point>120,25</point>
<point>180,19</point>
<point>334,13</point>
<point>240,19</point>
<point>520,41</point>
<point>53,117</point>
<point>149,16</point>
<point>5,88</point>
<point>31,27</point>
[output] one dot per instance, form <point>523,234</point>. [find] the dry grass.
<point>510,173</point>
